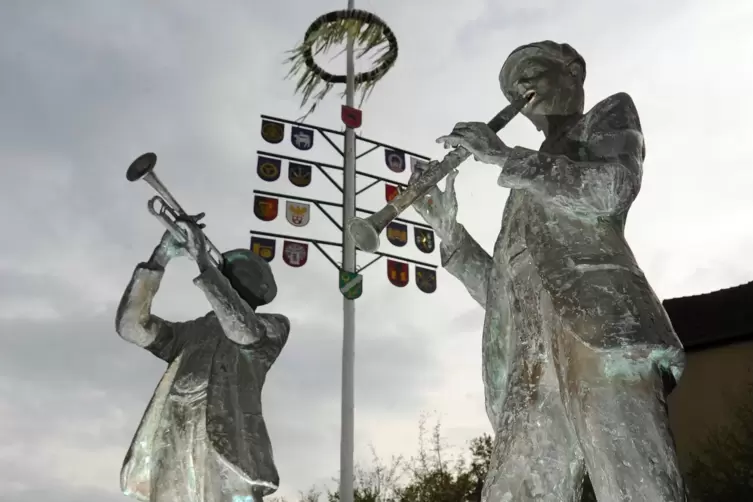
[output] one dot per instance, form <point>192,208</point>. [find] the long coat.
<point>234,347</point>
<point>566,214</point>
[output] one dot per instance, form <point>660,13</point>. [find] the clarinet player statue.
<point>578,352</point>
<point>203,437</point>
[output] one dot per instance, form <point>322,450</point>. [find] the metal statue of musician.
<point>203,438</point>
<point>578,352</point>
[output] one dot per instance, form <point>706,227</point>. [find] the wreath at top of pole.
<point>370,33</point>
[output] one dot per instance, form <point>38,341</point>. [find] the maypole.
<point>370,32</point>
<point>347,404</point>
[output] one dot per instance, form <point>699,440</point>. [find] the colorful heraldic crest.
<point>264,247</point>
<point>351,284</point>
<point>397,234</point>
<point>268,168</point>
<point>395,160</point>
<point>299,174</point>
<point>295,254</point>
<point>397,273</point>
<point>271,131</point>
<point>302,138</point>
<point>390,191</point>
<point>350,116</point>
<point>266,208</point>
<point>298,214</point>
<point>426,279</point>
<point>424,239</point>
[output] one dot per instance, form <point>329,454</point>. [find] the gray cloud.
<point>88,86</point>
<point>77,371</point>
<point>60,492</point>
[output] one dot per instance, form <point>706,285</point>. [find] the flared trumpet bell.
<point>364,234</point>
<point>169,211</point>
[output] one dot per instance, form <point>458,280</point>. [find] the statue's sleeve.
<point>278,330</point>
<point>467,260</point>
<point>135,322</point>
<point>238,320</point>
<point>604,186</point>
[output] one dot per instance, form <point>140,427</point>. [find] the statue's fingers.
<point>435,193</point>
<point>427,199</point>
<point>461,127</point>
<point>449,141</point>
<point>449,198</point>
<point>421,206</point>
<point>450,183</point>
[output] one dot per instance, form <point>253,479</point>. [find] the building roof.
<point>719,317</point>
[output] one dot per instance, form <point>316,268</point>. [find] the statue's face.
<point>556,86</point>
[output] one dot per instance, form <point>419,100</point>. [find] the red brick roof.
<point>718,317</point>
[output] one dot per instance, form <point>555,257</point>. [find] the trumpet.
<point>365,231</point>
<point>168,213</point>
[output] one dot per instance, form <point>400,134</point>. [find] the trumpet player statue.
<point>578,352</point>
<point>203,438</point>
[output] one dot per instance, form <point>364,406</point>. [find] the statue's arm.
<point>601,187</point>
<point>464,258</point>
<point>238,320</point>
<point>278,328</point>
<point>134,320</point>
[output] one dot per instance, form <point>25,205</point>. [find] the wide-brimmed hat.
<point>250,275</point>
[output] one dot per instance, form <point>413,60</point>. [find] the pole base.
<point>363,234</point>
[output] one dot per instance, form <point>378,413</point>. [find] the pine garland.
<point>370,34</point>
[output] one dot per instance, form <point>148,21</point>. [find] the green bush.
<point>433,475</point>
<point>722,471</point>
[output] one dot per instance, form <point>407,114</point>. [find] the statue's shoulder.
<point>209,318</point>
<point>616,112</point>
<point>278,321</point>
<point>278,330</point>
<point>615,102</point>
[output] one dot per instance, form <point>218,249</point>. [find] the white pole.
<point>349,307</point>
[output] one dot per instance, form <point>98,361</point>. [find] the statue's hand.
<point>480,140</point>
<point>196,243</point>
<point>439,209</point>
<point>169,247</point>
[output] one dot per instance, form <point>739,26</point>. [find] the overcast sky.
<point>87,86</point>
